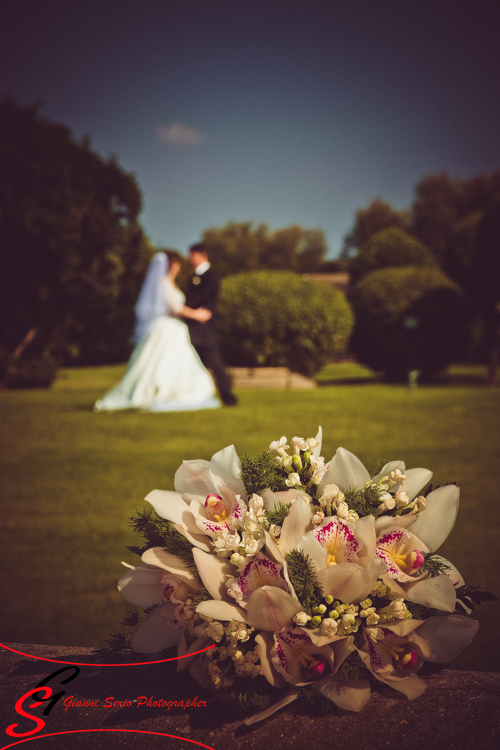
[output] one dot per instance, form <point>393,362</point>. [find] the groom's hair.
<point>200,247</point>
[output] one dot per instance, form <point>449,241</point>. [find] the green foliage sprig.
<point>119,640</point>
<point>314,699</point>
<point>259,473</point>
<point>365,501</point>
<point>434,565</point>
<point>201,596</point>
<point>468,597</point>
<point>278,514</point>
<point>303,580</point>
<point>158,532</point>
<point>353,667</point>
<point>377,467</point>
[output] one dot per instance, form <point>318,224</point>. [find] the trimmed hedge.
<point>409,319</point>
<point>390,248</point>
<point>278,319</point>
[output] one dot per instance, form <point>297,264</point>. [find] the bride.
<point>164,372</point>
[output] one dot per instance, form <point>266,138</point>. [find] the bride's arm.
<point>175,300</point>
<point>201,314</point>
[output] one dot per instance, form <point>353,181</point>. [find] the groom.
<point>202,292</point>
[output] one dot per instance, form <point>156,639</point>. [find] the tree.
<point>483,284</point>
<point>409,319</point>
<point>390,248</point>
<point>442,202</point>
<point>73,253</point>
<point>371,220</point>
<point>240,247</point>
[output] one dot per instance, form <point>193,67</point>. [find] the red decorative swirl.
<point>91,664</point>
<point>133,731</point>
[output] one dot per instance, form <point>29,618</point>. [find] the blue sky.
<point>274,111</point>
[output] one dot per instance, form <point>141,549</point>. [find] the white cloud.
<point>176,134</point>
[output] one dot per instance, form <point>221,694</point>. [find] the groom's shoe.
<point>230,400</point>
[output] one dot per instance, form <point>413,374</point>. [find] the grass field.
<point>70,479</point>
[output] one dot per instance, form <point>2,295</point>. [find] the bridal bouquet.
<point>306,577</point>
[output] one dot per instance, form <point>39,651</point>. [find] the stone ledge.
<point>459,710</point>
<point>279,378</point>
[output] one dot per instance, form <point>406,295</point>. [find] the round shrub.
<point>278,319</point>
<point>409,319</point>
<point>391,247</point>
<point>34,372</point>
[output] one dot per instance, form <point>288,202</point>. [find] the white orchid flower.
<point>196,481</point>
<point>258,572</point>
<point>331,543</point>
<point>402,552</point>
<point>298,659</point>
<point>218,512</point>
<point>394,653</point>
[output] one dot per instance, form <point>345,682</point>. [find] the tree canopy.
<point>240,246</point>
<point>392,247</point>
<point>73,252</point>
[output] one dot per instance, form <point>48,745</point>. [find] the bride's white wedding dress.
<point>164,372</point>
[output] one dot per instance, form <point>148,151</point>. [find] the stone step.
<point>279,378</point>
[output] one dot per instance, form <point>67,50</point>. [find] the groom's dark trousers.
<point>202,292</point>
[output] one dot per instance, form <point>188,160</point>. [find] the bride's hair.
<point>173,256</point>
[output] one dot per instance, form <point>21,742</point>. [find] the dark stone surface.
<point>458,710</point>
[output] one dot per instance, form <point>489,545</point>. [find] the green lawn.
<point>70,479</point>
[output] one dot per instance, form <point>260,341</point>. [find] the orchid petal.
<point>193,478</point>
<point>213,572</point>
<point>271,499</point>
<point>272,709</point>
<point>348,582</point>
<point>163,559</point>
<point>221,610</point>
<point>153,634</point>
<point>346,471</point>
<point>273,550</point>
<point>295,525</point>
<point>350,695</point>
<point>384,522</point>
<point>197,540</point>
<point>171,506</point>
<point>260,571</point>
<point>365,532</point>
<point>411,685</point>
<point>316,451</point>
<point>416,480</point>
<point>310,546</point>
<point>447,635</point>
<point>452,572</point>
<point>225,470</point>
<point>266,642</point>
<point>435,522</point>
<point>183,650</point>
<point>438,593</point>
<point>271,608</point>
<point>142,586</point>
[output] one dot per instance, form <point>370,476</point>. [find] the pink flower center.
<point>316,669</point>
<point>409,660</point>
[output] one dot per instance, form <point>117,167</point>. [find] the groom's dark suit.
<point>202,292</point>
